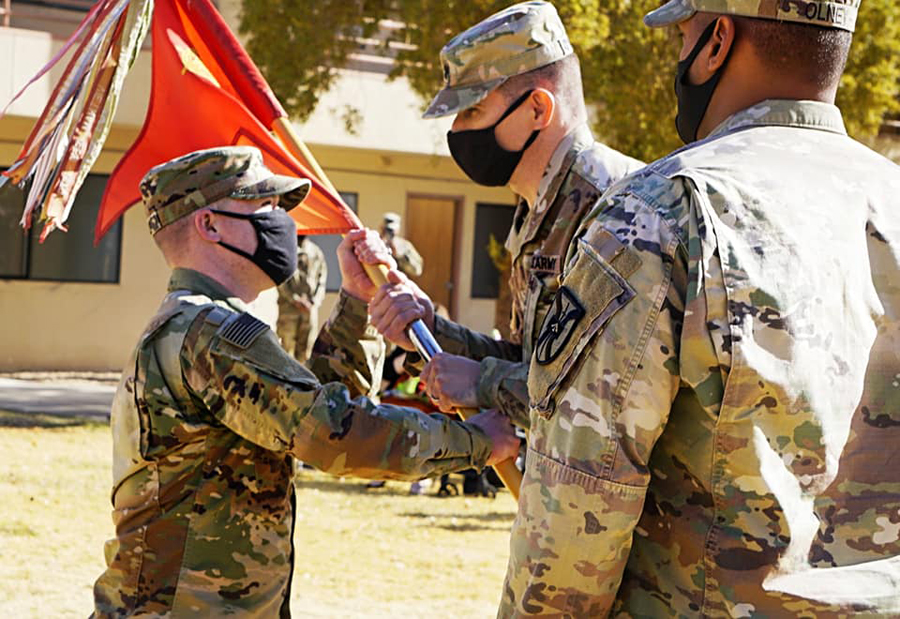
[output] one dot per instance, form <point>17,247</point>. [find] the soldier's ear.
<point>543,103</point>
<point>205,225</point>
<point>721,43</point>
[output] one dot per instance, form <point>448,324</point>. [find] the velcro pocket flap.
<point>592,291</point>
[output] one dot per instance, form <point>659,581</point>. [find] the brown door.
<point>431,227</point>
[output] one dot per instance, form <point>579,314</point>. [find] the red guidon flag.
<point>206,92</point>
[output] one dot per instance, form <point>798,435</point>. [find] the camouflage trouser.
<point>298,333</point>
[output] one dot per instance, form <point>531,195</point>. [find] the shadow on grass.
<point>10,419</point>
<point>465,522</point>
<point>488,517</point>
<point>351,486</point>
<point>357,487</point>
<point>467,528</point>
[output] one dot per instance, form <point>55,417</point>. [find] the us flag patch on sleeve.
<point>243,330</point>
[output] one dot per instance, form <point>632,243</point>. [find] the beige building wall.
<point>888,144</point>
<point>84,326</point>
<point>80,326</point>
<point>384,181</point>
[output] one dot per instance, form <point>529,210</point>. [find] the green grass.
<point>360,552</point>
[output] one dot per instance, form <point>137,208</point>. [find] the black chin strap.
<point>237,250</point>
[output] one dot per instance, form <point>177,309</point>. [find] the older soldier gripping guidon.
<point>715,395</point>
<point>514,84</point>
<point>211,409</point>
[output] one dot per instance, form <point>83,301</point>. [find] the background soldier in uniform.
<point>715,403</point>
<point>211,410</point>
<point>514,84</point>
<point>299,299</point>
<point>409,260</point>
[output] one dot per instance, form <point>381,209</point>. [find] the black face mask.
<point>480,156</point>
<point>276,243</point>
<point>694,99</point>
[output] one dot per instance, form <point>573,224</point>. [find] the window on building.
<point>329,243</point>
<point>64,256</point>
<point>490,220</point>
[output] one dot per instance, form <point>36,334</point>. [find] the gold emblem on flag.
<point>190,59</point>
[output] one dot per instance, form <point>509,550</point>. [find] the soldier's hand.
<point>361,247</point>
<point>452,381</point>
<point>501,432</point>
<point>397,304</point>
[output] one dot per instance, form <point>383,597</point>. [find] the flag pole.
<point>284,129</point>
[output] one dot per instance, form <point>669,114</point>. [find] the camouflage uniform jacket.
<point>715,395</point>
<point>307,283</point>
<point>579,171</point>
<point>205,422</point>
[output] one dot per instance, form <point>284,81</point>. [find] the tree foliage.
<point>300,44</point>
<point>627,68</point>
<point>871,81</point>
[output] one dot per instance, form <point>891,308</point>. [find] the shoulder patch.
<point>243,330</point>
<point>559,324</point>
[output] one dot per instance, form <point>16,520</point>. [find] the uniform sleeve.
<point>601,384</point>
<point>456,339</point>
<point>504,385</point>
<point>459,340</point>
<point>318,285</point>
<point>348,349</point>
<point>237,369</point>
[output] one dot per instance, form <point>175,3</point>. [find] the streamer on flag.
<point>205,92</point>
<point>69,134</point>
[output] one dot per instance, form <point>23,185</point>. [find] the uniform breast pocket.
<point>592,291</point>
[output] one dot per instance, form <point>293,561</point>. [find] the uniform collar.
<point>196,282</point>
<point>558,166</point>
<point>784,113</point>
<point>527,220</point>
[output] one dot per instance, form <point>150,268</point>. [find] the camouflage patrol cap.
<point>516,40</point>
<point>827,13</point>
<point>181,186</point>
<point>392,221</point>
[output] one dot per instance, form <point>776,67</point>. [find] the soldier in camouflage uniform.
<point>715,394</point>
<point>408,258</point>
<point>514,66</point>
<point>211,410</point>
<point>299,299</point>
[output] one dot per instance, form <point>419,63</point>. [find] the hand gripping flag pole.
<point>428,347</point>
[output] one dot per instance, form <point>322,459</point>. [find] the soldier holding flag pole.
<point>211,410</point>
<point>513,83</point>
